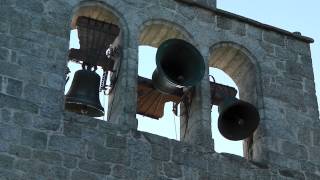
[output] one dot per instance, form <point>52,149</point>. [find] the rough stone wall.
<point>38,140</point>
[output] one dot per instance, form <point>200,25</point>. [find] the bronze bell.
<point>237,119</point>
<point>179,64</point>
<point>83,95</point>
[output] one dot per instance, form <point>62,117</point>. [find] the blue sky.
<point>285,14</point>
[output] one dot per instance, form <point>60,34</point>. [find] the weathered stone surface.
<point>172,170</point>
<point>40,170</point>
<point>69,161</point>
<point>273,38</point>
<point>224,23</point>
<point>13,102</point>
<point>119,171</point>
<point>20,151</point>
<point>38,140</point>
<point>65,144</point>
<point>4,54</point>
<point>46,123</point>
<point>22,119</point>
<point>34,139</point>
<point>9,133</point>
<point>116,141</point>
<point>110,155</point>
<point>6,162</point>
<point>294,151</point>
<point>47,157</point>
<point>94,166</point>
<point>81,175</point>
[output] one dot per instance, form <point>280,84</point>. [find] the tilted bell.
<point>237,119</point>
<point>179,64</point>
<point>83,95</point>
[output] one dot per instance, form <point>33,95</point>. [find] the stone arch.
<point>239,63</point>
<point>154,32</point>
<point>103,12</point>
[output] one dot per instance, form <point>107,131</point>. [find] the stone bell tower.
<point>39,139</point>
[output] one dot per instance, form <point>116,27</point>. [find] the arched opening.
<point>237,63</point>
<point>95,38</point>
<point>221,143</point>
<point>151,37</point>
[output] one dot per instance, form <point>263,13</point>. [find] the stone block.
<point>24,31</point>
<point>140,154</point>
<point>92,135</point>
<point>308,166</point>
<point>224,23</point>
<point>94,166</point>
<point>4,146</point>
<point>81,175</point>
<point>68,145</point>
<point>72,130</point>
<point>20,151</point>
<point>10,175</point>
<point>102,154</point>
<point>55,27</point>
<point>254,32</point>
<point>114,141</point>
<point>16,103</point>
<point>314,155</point>
<point>283,53</point>
<point>298,46</point>
<point>34,139</point>
<point>4,27</point>
<point>168,4</point>
<point>160,152</point>
<point>6,162</point>
<point>5,40</point>
<point>46,123</point>
<point>69,161</point>
<point>4,54</point>
<point>28,47</point>
<point>291,174</point>
<point>22,119</point>
<point>316,137</point>
<point>312,176</point>
<point>304,136</point>
<point>9,133</point>
<point>123,172</point>
<point>51,111</point>
<point>55,81</point>
<point>6,115</point>
<point>14,87</point>
<point>1,80</point>
<point>172,170</point>
<point>32,6</point>
<point>84,121</point>
<point>51,158</point>
<point>38,170</point>
<point>239,28</point>
<point>273,37</point>
<point>268,48</point>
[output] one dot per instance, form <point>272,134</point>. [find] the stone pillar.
<point>195,126</point>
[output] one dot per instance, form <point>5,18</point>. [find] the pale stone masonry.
<point>39,140</point>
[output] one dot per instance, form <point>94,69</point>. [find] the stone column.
<point>195,126</point>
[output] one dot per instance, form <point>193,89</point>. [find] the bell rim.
<point>100,111</point>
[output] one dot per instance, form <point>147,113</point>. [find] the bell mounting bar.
<point>151,101</point>
<point>95,38</point>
